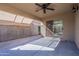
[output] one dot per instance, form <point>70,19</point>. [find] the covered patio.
<point>25,30</point>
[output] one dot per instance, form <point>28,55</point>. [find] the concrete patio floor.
<point>38,46</point>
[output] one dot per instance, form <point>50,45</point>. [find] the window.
<point>58,27</point>
<point>27,20</point>
<point>18,19</point>
<point>6,16</point>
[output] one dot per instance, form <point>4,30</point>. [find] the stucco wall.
<point>43,29</point>
<point>77,29</point>
<point>68,22</point>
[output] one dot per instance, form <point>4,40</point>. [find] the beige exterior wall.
<point>77,29</point>
<point>69,24</point>
<point>43,29</point>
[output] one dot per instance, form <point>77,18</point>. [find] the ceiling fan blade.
<point>50,9</point>
<point>38,4</point>
<point>44,10</point>
<point>47,4</point>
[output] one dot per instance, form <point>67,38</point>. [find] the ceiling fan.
<point>75,8</point>
<point>44,7</point>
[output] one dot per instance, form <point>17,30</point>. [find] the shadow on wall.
<point>45,31</point>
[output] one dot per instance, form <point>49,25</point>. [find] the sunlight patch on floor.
<point>31,47</point>
<point>40,44</point>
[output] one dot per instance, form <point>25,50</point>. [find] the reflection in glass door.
<point>58,27</point>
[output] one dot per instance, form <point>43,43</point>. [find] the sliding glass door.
<point>56,26</point>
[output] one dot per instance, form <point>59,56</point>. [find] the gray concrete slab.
<point>18,42</point>
<point>36,46</point>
